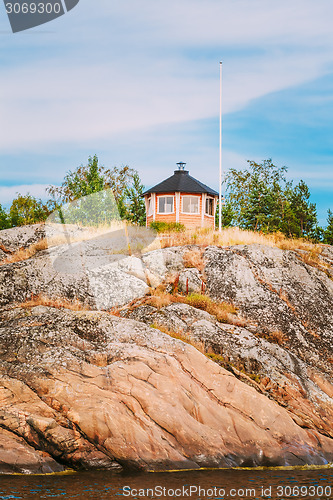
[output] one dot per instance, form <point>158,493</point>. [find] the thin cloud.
<point>8,193</point>
<point>144,71</point>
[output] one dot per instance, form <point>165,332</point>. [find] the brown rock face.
<point>16,456</point>
<point>278,371</point>
<point>90,389</point>
<point>87,389</point>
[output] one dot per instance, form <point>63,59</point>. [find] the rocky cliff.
<point>90,385</point>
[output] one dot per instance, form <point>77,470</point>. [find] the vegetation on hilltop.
<point>259,199</point>
<point>123,184</point>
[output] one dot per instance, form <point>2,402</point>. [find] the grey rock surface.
<point>190,281</point>
<point>88,389</point>
<point>276,290</point>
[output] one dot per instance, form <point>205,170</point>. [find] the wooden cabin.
<point>183,199</point>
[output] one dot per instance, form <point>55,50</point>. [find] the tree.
<point>303,213</point>
<point>84,181</point>
<point>317,234</point>
<point>328,232</point>
<point>258,211</point>
<point>227,214</point>
<point>120,186</point>
<point>26,209</point>
<point>136,208</point>
<point>119,179</point>
<point>263,200</point>
<point>256,195</point>
<point>4,219</point>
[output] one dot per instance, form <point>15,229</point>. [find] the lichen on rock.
<point>89,389</point>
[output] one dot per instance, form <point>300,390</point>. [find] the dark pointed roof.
<point>181,181</point>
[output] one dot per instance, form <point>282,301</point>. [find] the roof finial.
<point>181,165</point>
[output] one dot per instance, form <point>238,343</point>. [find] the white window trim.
<point>150,208</point>
<point>158,204</point>
<point>210,198</point>
<point>190,196</point>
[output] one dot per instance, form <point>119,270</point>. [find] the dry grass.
<point>276,337</point>
<point>235,236</point>
<point>63,303</point>
<point>194,258</point>
<point>5,250</point>
<point>180,336</point>
<point>44,243</point>
<point>312,258</point>
<point>306,251</point>
<point>139,239</point>
<point>26,253</point>
<point>159,297</point>
<point>224,312</point>
<point>60,303</point>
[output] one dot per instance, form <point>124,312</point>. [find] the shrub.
<point>164,227</point>
<point>217,358</point>
<point>223,311</point>
<point>198,300</point>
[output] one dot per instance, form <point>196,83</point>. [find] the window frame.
<point>150,210</point>
<point>206,213</point>
<point>190,196</point>
<point>158,204</point>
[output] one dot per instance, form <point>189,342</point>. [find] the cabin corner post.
<point>154,205</point>
<point>203,208</point>
<point>147,209</point>
<point>215,206</point>
<point>177,200</point>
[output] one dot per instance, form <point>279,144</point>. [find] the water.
<point>249,484</point>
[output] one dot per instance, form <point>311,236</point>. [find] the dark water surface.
<point>215,484</point>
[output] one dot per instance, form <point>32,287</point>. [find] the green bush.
<point>163,227</point>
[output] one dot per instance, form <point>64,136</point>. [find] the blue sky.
<point>138,83</point>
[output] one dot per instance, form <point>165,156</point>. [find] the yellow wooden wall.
<point>189,220</point>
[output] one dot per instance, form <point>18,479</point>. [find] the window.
<point>209,206</point>
<point>190,204</point>
<point>150,207</point>
<point>165,204</point>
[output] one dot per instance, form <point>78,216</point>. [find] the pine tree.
<point>303,213</point>
<point>227,214</point>
<point>328,232</point>
<point>136,208</point>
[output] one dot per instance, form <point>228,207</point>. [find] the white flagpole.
<point>220,154</point>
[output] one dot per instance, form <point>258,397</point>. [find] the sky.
<point>137,83</point>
